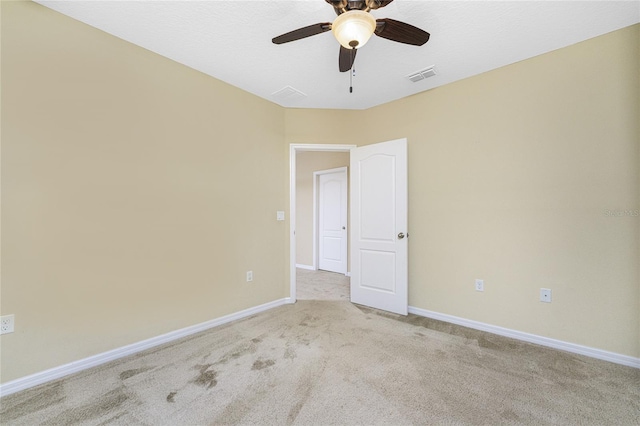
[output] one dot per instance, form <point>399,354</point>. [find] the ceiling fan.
<point>354,26</point>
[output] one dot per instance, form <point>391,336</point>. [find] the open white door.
<point>379,246</point>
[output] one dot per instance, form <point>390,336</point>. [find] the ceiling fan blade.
<point>302,33</point>
<point>346,59</point>
<point>401,32</point>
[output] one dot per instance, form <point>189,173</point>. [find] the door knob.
<point>400,236</point>
<point>344,227</point>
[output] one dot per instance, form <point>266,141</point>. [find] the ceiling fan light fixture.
<point>354,28</point>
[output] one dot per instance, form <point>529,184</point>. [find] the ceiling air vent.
<point>422,74</point>
<point>288,93</point>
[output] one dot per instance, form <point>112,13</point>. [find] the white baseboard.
<point>301,266</point>
<point>531,338</point>
<point>95,360</point>
<point>348,274</point>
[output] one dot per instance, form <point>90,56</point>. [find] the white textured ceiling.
<point>231,40</point>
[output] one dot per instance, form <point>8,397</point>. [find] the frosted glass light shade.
<point>354,28</point>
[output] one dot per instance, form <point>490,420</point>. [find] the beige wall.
<point>136,192</point>
<point>510,176</point>
<point>120,223</point>
<point>308,162</point>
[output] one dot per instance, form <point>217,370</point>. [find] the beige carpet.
<point>321,285</point>
<point>330,362</point>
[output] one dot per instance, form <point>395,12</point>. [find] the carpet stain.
<point>303,341</point>
<point>509,416</point>
<point>237,352</point>
<point>17,405</point>
<point>569,366</point>
<point>256,340</point>
<point>499,343</point>
<point>304,390</point>
<point>308,319</point>
<point>289,353</point>
<point>171,396</point>
<point>441,355</point>
<point>98,407</point>
<point>130,373</point>
<point>206,378</point>
<point>112,420</point>
<point>260,365</point>
<point>295,410</point>
<point>483,342</point>
<point>236,410</point>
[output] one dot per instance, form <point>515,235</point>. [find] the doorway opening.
<point>293,216</point>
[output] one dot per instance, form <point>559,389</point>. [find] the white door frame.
<point>293,150</point>
<point>316,212</point>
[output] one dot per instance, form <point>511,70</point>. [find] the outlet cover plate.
<point>479,285</point>
<point>6,324</point>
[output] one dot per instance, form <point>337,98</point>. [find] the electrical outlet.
<point>479,285</point>
<point>6,324</point>
<point>545,295</point>
<point>249,276</point>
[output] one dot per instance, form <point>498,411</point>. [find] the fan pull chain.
<point>352,71</point>
<point>351,81</point>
